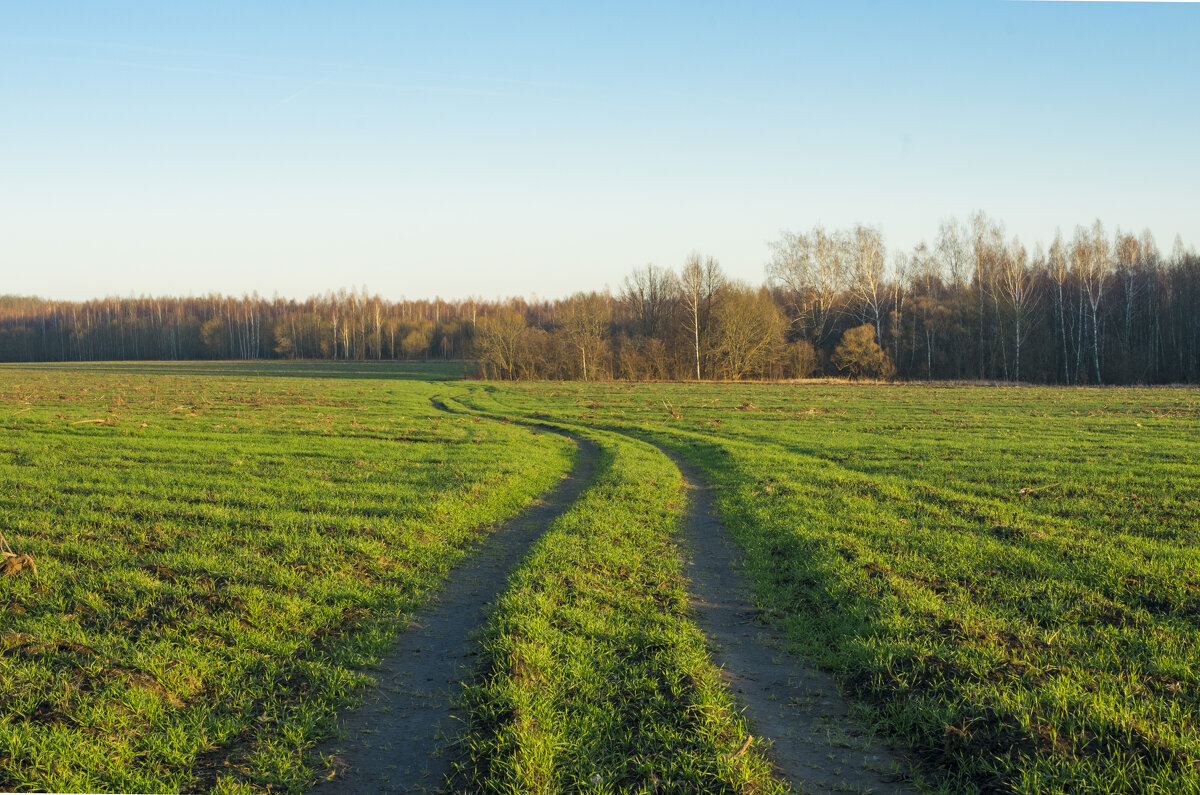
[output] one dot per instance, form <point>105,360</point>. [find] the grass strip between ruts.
<point>592,676</point>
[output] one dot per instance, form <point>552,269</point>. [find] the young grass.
<point>1004,578</point>
<point>217,557</point>
<point>593,677</point>
<point>1007,578</point>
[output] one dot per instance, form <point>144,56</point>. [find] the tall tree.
<point>1016,285</point>
<point>1059,269</point>
<point>584,326</point>
<point>811,268</point>
<point>699,282</point>
<point>987,244</point>
<point>953,250</point>
<point>1093,257</point>
<point>867,255</point>
<point>500,342</point>
<point>647,293</point>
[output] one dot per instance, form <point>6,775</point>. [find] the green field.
<point>1009,578</point>
<point>1006,580</point>
<point>592,674</point>
<point>216,554</point>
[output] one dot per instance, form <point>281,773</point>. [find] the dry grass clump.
<point>11,563</point>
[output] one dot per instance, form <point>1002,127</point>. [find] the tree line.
<point>973,304</point>
<point>342,325</point>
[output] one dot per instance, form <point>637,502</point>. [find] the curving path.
<point>815,743</point>
<point>396,741</point>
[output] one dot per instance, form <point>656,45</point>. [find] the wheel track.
<point>815,742</point>
<point>397,740</point>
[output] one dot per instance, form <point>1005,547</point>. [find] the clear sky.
<point>491,149</point>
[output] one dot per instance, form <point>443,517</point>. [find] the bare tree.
<point>1093,260</point>
<point>1016,285</point>
<point>812,268</point>
<point>925,275</point>
<point>1058,266</point>
<point>647,292</point>
<point>987,245</point>
<point>1151,307</point>
<point>1128,254</point>
<point>898,290</point>
<point>586,317</point>
<point>748,332</point>
<point>1112,310</point>
<point>699,282</point>
<point>867,272</point>
<point>953,249</point>
<point>499,342</point>
<point>926,270</point>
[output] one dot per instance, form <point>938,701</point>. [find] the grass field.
<point>593,678</point>
<point>217,551</point>
<point>1009,578</point>
<point>1006,579</point>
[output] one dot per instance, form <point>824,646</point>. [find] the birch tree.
<point>866,253</point>
<point>1093,259</point>
<point>811,268</point>
<point>1016,285</point>
<point>699,281</point>
<point>1059,268</point>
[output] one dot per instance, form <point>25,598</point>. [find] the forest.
<point>972,305</point>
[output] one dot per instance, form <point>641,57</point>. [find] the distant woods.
<point>342,325</point>
<point>973,304</point>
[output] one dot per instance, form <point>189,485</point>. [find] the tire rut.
<point>815,743</point>
<point>397,741</point>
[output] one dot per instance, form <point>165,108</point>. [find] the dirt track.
<point>816,744</point>
<point>396,741</point>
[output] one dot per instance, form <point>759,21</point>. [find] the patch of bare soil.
<point>398,740</point>
<point>816,744</point>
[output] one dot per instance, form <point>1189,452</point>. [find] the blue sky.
<point>460,149</point>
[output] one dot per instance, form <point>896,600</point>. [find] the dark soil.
<point>398,740</point>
